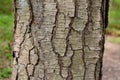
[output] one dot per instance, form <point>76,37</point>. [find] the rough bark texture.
<point>58,39</point>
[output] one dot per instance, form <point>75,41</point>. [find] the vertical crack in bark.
<point>15,15</point>
<point>35,47</point>
<point>15,25</point>
<point>89,2</point>
<point>54,28</point>
<point>24,37</point>
<point>37,63</point>
<point>29,54</point>
<point>28,31</point>
<point>67,37</point>
<point>70,75</point>
<point>31,16</point>
<point>60,64</point>
<point>42,12</point>
<point>32,74</point>
<point>67,42</point>
<point>36,41</point>
<point>28,76</point>
<point>17,57</point>
<point>97,69</point>
<point>95,74</point>
<point>52,39</point>
<point>83,52</point>
<point>16,76</point>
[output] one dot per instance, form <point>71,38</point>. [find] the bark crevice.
<point>58,39</point>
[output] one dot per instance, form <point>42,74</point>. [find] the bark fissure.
<point>31,15</point>
<point>70,75</point>
<point>58,39</point>
<point>53,37</point>
<point>84,33</point>
<point>15,15</point>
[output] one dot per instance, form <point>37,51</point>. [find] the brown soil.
<point>111,61</point>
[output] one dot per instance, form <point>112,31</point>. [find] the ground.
<point>111,61</point>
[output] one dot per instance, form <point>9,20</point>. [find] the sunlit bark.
<point>58,39</point>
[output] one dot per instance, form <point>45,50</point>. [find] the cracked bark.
<point>58,39</point>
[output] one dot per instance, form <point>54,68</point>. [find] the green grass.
<point>5,6</point>
<point>114,18</point>
<point>115,40</point>
<point>5,73</point>
<point>114,21</point>
<point>6,23</point>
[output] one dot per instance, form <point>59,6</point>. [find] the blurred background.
<point>111,60</point>
<point>6,25</point>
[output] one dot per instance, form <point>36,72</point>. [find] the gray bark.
<point>58,39</point>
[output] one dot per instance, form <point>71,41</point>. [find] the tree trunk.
<point>58,39</point>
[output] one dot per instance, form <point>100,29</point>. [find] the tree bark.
<point>58,39</point>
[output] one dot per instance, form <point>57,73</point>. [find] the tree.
<point>58,39</point>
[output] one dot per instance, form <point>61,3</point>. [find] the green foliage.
<point>5,6</point>
<point>114,18</point>
<point>6,23</point>
<point>5,73</point>
<point>115,40</point>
